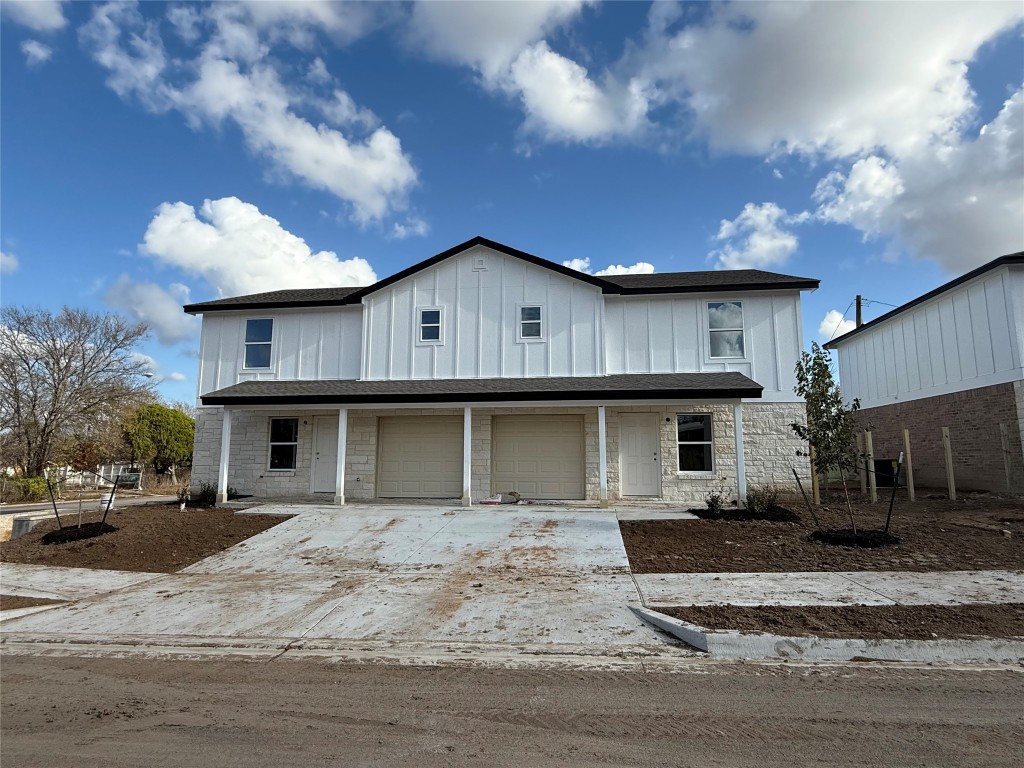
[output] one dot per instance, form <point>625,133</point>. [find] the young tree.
<point>64,375</point>
<point>830,424</point>
<point>160,436</point>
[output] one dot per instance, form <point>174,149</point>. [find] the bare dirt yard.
<point>980,532</point>
<point>976,533</point>
<point>904,622</point>
<point>157,538</point>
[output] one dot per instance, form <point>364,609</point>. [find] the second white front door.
<point>639,454</point>
<point>325,453</point>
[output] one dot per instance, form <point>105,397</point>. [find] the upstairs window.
<point>259,335</point>
<point>694,436</point>
<point>725,326</point>
<point>284,443</point>
<point>430,325</point>
<point>530,322</point>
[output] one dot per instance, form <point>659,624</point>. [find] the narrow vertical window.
<point>284,443</point>
<point>725,326</point>
<point>259,336</point>
<point>694,437</point>
<point>430,325</point>
<point>530,322</point>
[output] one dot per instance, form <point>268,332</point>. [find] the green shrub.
<point>715,502</point>
<point>31,488</point>
<point>207,496</point>
<point>762,501</point>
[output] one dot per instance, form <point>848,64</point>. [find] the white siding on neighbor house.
<point>480,322</point>
<point>669,334</point>
<point>965,338</point>
<point>313,343</point>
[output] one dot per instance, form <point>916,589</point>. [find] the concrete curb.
<point>730,644</point>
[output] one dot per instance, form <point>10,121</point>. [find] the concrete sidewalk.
<point>821,588</point>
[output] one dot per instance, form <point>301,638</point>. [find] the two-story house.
<point>485,369</point>
<point>953,358</point>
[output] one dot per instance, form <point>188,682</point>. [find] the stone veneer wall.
<point>770,449</point>
<point>973,418</point>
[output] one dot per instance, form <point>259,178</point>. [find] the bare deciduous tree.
<point>64,375</point>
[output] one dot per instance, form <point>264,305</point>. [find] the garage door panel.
<point>420,457</point>
<point>539,457</point>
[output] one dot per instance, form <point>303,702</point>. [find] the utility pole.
<point>860,310</point>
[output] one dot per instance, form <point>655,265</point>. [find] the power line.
<point>840,323</point>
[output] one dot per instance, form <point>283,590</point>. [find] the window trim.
<point>519,323</point>
<point>742,329</point>
<point>710,443</point>
<point>271,443</point>
<point>247,344</point>
<point>420,324</point>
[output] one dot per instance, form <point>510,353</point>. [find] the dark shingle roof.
<point>716,280</point>
<point>297,297</point>
<point>666,282</point>
<point>1011,258</point>
<point>646,386</point>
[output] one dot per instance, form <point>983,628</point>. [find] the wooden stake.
<point>815,489</point>
<point>870,466</point>
<point>1006,455</point>
<point>951,481</point>
<point>860,464</point>
<point>908,464</point>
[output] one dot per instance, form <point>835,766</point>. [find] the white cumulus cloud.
<point>233,76</point>
<point>414,226</point>
<point>177,376</point>
<point>834,325</point>
<point>8,263</point>
<point>583,265</point>
<point>35,52</point>
<point>238,250</point>
<point>756,239</point>
<point>158,307</point>
<point>962,206</point>
<point>40,15</point>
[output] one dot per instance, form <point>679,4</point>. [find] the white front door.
<point>639,454</point>
<point>325,453</point>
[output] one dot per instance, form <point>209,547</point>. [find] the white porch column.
<point>741,469</point>
<point>467,457</point>
<point>602,455</point>
<point>339,470</point>
<point>225,454</point>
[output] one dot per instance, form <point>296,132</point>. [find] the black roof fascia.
<point>604,285</point>
<point>488,397</point>
<point>1011,258</point>
<point>801,285</point>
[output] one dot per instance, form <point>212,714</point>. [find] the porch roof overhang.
<point>626,386</point>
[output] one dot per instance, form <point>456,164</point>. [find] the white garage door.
<point>420,457</point>
<point>540,457</point>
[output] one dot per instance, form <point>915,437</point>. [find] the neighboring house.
<point>485,369</point>
<point>950,358</point>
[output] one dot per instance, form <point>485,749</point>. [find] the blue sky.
<point>158,153</point>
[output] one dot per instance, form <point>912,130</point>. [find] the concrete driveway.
<point>437,575</point>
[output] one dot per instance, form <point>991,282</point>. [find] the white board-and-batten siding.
<point>965,338</point>
<point>669,334</point>
<point>480,292</point>
<point>313,343</point>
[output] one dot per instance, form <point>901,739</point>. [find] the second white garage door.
<point>420,457</point>
<point>541,457</point>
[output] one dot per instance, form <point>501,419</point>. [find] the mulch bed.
<point>155,538</point>
<point>11,602</point>
<point>976,533</point>
<point>896,622</point>
<point>776,514</point>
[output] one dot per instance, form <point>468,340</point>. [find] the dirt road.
<point>224,713</point>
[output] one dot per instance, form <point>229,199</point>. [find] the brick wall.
<point>973,418</point>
